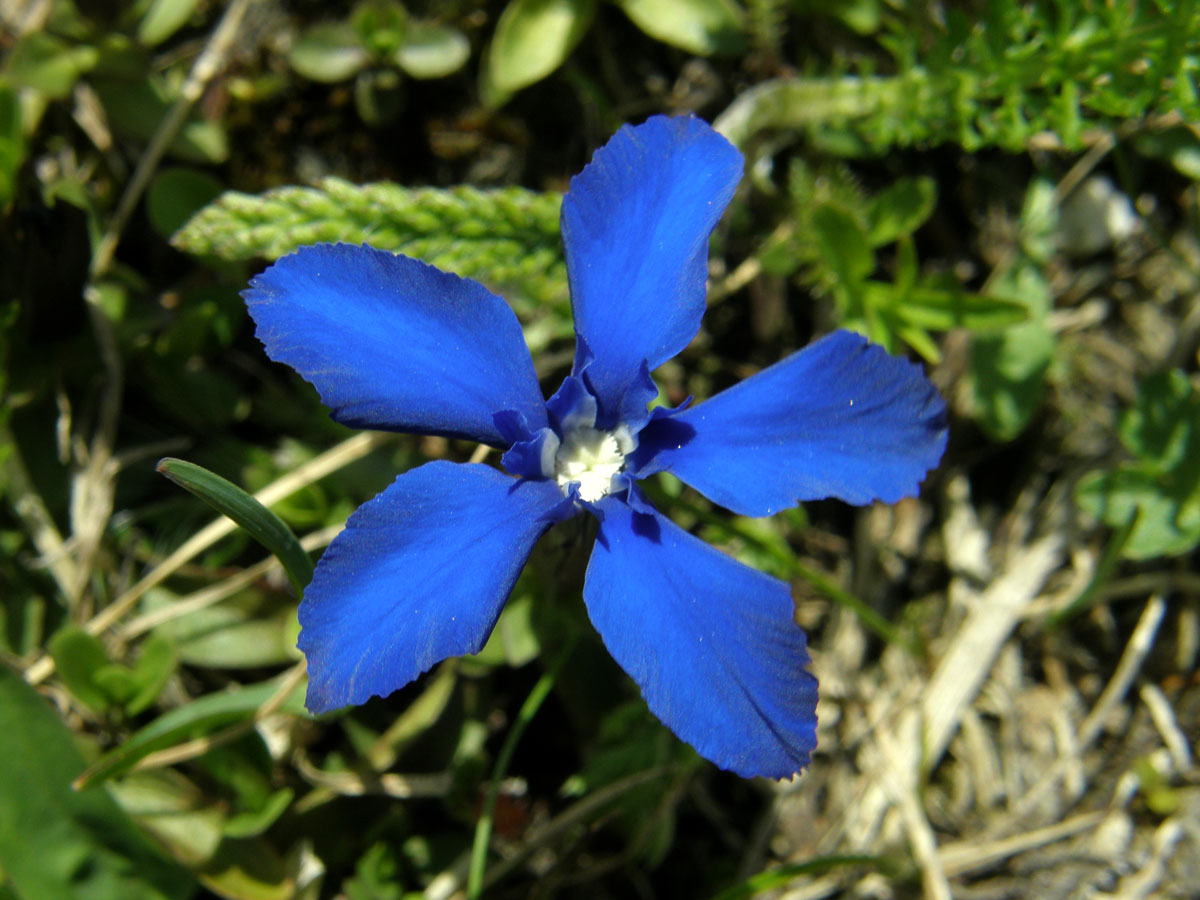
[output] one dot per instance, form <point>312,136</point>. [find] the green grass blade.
<point>230,500</point>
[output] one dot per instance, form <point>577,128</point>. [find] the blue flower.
<point>421,571</point>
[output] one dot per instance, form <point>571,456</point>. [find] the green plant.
<point>374,46</point>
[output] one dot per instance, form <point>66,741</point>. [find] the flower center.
<point>591,458</point>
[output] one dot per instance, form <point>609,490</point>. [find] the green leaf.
<point>513,641</point>
<point>1163,427</point>
<point>56,842</point>
<point>176,194</point>
<point>328,52</point>
<point>255,822</point>
<point>230,500</point>
<point>504,238</point>
<point>163,19</point>
<point>532,39</point>
<point>843,244</point>
<point>796,104</point>
<point>432,51</point>
<point>942,309</point>
<point>174,810</point>
<point>703,27</point>
<point>1163,526</point>
<point>12,144</point>
<point>1039,221</point>
<point>782,876</point>
<point>78,657</point>
<point>48,64</point>
<point>1008,369</point>
<point>229,637</point>
<point>155,665</point>
<point>201,716</point>
<point>900,209</point>
<point>381,26</point>
<point>137,108</point>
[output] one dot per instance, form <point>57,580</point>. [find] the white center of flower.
<point>591,458</point>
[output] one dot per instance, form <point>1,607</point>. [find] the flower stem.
<point>483,828</point>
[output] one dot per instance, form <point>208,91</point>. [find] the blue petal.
<point>419,574</point>
<point>635,228</point>
<point>394,344</point>
<point>840,418</point>
<point>712,643</point>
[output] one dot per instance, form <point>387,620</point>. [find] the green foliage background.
<point>920,172</point>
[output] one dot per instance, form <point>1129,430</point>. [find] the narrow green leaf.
<point>12,144</point>
<point>58,843</point>
<point>532,39</point>
<point>780,877</point>
<point>230,500</point>
<point>942,309</point>
<point>703,27</point>
<point>201,716</point>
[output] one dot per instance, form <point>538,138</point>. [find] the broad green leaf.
<point>328,52</point>
<point>1163,485</point>
<point>137,108</point>
<point>174,810</point>
<point>431,50</point>
<point>532,39</point>
<point>176,194</point>
<point>1163,527</point>
<point>505,238</point>
<point>248,870</point>
<point>163,19</point>
<point>261,524</point>
<point>1009,372</point>
<point>900,209</point>
<point>1039,221</point>
<point>703,27</point>
<point>48,64</point>
<point>78,657</point>
<point>1163,427</point>
<point>942,309</point>
<point>513,641</point>
<point>202,716</point>
<point>228,637</point>
<point>57,842</point>
<point>1008,369</point>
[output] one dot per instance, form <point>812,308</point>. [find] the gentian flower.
<point>421,571</point>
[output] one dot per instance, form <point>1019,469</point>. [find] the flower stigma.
<point>590,458</point>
